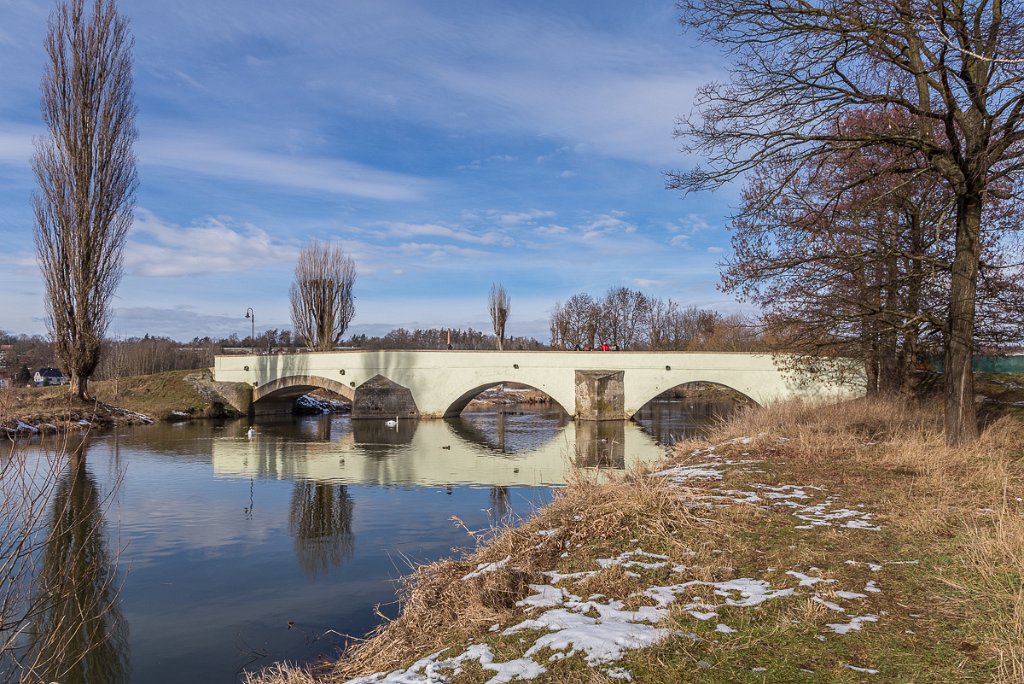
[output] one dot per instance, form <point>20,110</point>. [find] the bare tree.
<point>85,170</point>
<point>499,304</point>
<point>321,295</point>
<point>953,67</point>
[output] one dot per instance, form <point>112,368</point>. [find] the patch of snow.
<point>487,567</point>
<point>546,596</point>
<point>700,471</point>
<point>828,604</point>
<point>807,580</point>
<point>625,560</point>
<point>548,533</point>
<point>865,670</point>
<point>25,427</point>
<point>433,669</point>
<point>557,577</point>
<point>872,587</point>
<point>619,673</point>
<point>873,567</point>
<point>724,629</point>
<point>853,625</point>
<point>850,595</point>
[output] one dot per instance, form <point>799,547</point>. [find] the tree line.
<point>628,319</point>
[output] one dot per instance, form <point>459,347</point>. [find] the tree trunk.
<point>79,385</point>
<point>961,422</point>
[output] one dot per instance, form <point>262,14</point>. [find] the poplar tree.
<point>86,177</point>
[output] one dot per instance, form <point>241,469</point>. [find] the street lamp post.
<point>249,313</point>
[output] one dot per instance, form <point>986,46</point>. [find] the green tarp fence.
<point>992,364</point>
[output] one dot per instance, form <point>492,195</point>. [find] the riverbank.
<point>842,543</point>
<point>137,400</point>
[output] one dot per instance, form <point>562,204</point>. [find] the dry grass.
<point>439,607</point>
<point>957,614</point>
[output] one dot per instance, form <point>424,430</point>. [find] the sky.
<point>446,145</point>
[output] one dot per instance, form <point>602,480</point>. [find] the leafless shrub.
<point>499,304</point>
<point>85,171</point>
<point>321,295</point>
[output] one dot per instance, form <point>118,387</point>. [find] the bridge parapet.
<point>588,385</point>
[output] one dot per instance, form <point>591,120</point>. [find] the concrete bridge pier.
<point>600,395</point>
<point>379,397</point>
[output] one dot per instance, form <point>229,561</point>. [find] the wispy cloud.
<point>211,157</point>
<point>214,245</point>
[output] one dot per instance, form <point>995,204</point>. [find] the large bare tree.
<point>321,295</point>
<point>954,67</point>
<point>499,304</point>
<point>85,171</point>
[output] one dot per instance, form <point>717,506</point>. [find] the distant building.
<point>48,376</point>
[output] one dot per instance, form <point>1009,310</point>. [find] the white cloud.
<point>215,245</point>
<point>649,282</point>
<point>214,157</point>
<point>552,229</point>
<point>516,218</point>
<point>605,224</point>
<point>407,230</point>
<point>682,241</point>
<point>16,147</point>
<point>715,250</point>
<point>438,251</point>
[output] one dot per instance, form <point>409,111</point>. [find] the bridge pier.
<point>600,395</point>
<point>379,397</point>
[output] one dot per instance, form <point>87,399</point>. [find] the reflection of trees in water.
<point>78,633</point>
<point>500,508</point>
<point>320,518</point>
<point>508,431</point>
<point>670,420</point>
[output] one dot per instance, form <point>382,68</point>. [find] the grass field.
<point>801,543</point>
<point>159,396</point>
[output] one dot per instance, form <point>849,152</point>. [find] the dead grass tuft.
<point>281,673</point>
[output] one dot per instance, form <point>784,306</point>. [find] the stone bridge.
<point>437,384</point>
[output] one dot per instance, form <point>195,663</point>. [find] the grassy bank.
<point>801,543</point>
<point>174,395</point>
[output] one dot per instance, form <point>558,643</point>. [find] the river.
<point>223,553</point>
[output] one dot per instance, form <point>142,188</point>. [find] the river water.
<point>223,553</point>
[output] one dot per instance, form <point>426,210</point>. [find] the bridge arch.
<point>459,404</point>
<point>291,387</point>
<point>742,396</point>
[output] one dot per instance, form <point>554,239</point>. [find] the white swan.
<point>392,423</point>
<point>251,434</point>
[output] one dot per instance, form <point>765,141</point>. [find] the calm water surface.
<point>235,553</point>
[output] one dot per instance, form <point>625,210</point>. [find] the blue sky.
<point>447,145</point>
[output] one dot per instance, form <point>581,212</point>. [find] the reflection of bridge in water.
<point>429,453</point>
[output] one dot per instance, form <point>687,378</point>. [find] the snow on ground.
<point>562,624</point>
<point>484,568</point>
